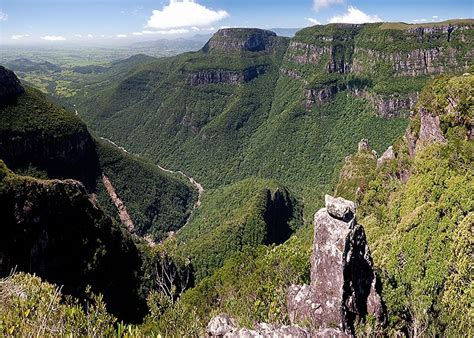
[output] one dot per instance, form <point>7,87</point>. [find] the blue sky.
<point>70,21</point>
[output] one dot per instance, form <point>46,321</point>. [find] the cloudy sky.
<point>68,21</point>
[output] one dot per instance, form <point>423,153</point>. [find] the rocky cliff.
<point>404,53</point>
<point>56,230</point>
<point>36,133</point>
<point>224,76</point>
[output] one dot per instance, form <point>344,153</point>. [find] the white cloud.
<point>121,35</point>
<point>3,16</point>
<point>420,20</point>
<point>320,4</point>
<point>53,38</point>
<point>184,13</point>
<point>313,21</point>
<point>434,16</point>
<point>78,35</point>
<point>90,36</point>
<point>19,36</point>
<point>354,15</point>
<point>163,32</point>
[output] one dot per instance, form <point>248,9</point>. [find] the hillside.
<point>224,113</point>
<point>39,138</point>
<point>418,209</point>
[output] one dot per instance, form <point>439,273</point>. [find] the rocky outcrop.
<point>224,326</point>
<point>388,155</point>
<point>305,53</point>
<point>389,106</point>
<point>242,40</point>
<point>430,130</point>
<point>224,76</point>
<point>343,282</point>
<point>10,85</point>
<point>320,95</point>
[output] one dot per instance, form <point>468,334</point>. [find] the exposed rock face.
<point>241,39</point>
<point>224,76</point>
<point>342,277</point>
<point>430,130</point>
<point>391,105</point>
<point>352,49</point>
<point>10,85</point>
<point>388,155</point>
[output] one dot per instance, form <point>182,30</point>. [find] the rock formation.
<point>10,86</point>
<point>224,76</point>
<point>343,283</point>
<point>430,130</point>
<point>388,155</point>
<point>342,277</point>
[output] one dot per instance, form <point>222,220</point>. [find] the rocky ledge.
<point>10,86</point>
<point>343,283</point>
<point>224,76</point>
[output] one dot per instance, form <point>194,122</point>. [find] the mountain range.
<point>191,191</point>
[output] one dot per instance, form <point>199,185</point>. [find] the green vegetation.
<point>158,202</point>
<point>247,213</point>
<point>421,231</point>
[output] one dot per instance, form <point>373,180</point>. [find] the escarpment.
<point>382,52</point>
<point>224,76</point>
<point>56,230</point>
<point>35,133</point>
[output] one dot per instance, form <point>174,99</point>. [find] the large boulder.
<point>343,281</point>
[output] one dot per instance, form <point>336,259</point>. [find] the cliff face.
<point>224,76</point>
<point>54,229</point>
<point>36,133</point>
<point>384,53</point>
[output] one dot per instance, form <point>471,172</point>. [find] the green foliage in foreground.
<point>421,231</point>
<point>158,202</point>
<point>31,307</point>
<point>246,213</point>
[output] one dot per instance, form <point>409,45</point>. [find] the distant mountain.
<point>26,65</point>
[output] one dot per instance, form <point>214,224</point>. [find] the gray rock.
<point>430,130</point>
<point>221,325</point>
<point>388,155</point>
<point>342,276</point>
<point>340,208</point>
<point>363,145</point>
